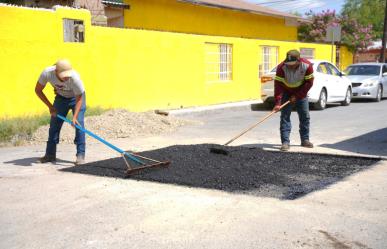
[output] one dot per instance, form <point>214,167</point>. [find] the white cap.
<point>63,68</point>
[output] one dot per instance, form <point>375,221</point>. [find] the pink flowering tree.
<point>354,35</point>
<point>315,31</point>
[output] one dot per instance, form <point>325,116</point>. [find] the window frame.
<point>220,59</point>
<point>308,57</point>
<point>267,60</point>
<point>73,30</point>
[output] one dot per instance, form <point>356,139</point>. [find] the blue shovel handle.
<point>101,140</point>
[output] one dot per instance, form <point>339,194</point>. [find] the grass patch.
<point>15,130</point>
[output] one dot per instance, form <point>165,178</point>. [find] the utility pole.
<point>382,55</point>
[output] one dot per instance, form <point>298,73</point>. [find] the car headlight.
<point>368,84</point>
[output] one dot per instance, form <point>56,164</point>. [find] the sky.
<point>301,6</point>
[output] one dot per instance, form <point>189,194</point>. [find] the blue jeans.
<point>302,107</point>
<point>62,106</point>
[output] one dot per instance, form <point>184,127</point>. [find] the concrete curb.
<point>208,108</point>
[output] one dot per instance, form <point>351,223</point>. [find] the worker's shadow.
<point>244,170</point>
<point>30,161</point>
<point>371,143</point>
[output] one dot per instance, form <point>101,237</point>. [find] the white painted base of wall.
<point>212,107</point>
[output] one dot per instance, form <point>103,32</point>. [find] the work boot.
<point>47,158</point>
<point>307,144</point>
<point>285,147</point>
<point>80,160</point>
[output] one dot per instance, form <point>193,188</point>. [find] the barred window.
<point>307,53</point>
<point>218,62</point>
<point>73,30</point>
<point>269,59</point>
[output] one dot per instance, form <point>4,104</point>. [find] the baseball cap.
<point>64,68</point>
<point>292,57</point>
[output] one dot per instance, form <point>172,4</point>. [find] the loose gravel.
<point>244,170</point>
<point>118,123</point>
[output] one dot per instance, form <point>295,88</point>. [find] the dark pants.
<point>302,107</point>
<point>62,106</point>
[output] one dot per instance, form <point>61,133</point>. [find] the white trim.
<point>213,107</point>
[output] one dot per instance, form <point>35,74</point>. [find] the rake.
<point>225,152</point>
<point>125,155</point>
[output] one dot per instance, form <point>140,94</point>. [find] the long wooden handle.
<point>256,124</point>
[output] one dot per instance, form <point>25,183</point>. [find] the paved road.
<point>358,128</point>
<point>45,207</point>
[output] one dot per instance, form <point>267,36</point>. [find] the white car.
<point>329,86</point>
<point>369,80</point>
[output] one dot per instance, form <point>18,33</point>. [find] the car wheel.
<point>322,101</point>
<point>347,99</point>
<point>378,94</point>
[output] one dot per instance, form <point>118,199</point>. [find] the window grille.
<point>307,53</point>
<point>269,59</point>
<point>218,62</point>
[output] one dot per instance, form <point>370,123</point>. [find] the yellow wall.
<point>346,58</point>
<point>171,15</point>
<point>135,69</point>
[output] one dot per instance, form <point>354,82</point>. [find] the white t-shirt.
<point>68,89</point>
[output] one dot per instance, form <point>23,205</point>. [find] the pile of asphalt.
<point>244,170</point>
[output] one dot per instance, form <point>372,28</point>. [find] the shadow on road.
<point>31,160</point>
<point>244,170</point>
<point>372,143</point>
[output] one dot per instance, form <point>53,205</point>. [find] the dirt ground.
<point>117,123</point>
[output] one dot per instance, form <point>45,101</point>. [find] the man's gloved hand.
<point>276,108</point>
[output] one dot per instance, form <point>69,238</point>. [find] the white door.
<point>339,85</point>
<point>324,80</point>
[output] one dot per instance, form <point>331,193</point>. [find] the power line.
<point>275,2</point>
<point>286,5</point>
<point>285,1</point>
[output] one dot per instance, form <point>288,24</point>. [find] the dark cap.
<point>292,57</point>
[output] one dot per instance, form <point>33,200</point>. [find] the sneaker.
<point>47,159</point>
<point>307,144</point>
<point>285,147</point>
<point>80,160</point>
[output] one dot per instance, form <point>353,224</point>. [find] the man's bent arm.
<point>39,92</point>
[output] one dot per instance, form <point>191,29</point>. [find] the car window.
<point>328,68</point>
<point>384,68</point>
<point>333,69</point>
<point>363,70</point>
<point>322,68</point>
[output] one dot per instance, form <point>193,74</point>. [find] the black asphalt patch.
<point>244,170</point>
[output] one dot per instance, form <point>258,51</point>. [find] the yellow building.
<point>172,54</point>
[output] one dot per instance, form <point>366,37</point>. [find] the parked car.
<point>330,86</point>
<point>369,80</point>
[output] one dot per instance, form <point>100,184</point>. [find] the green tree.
<point>366,12</point>
<point>18,2</point>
